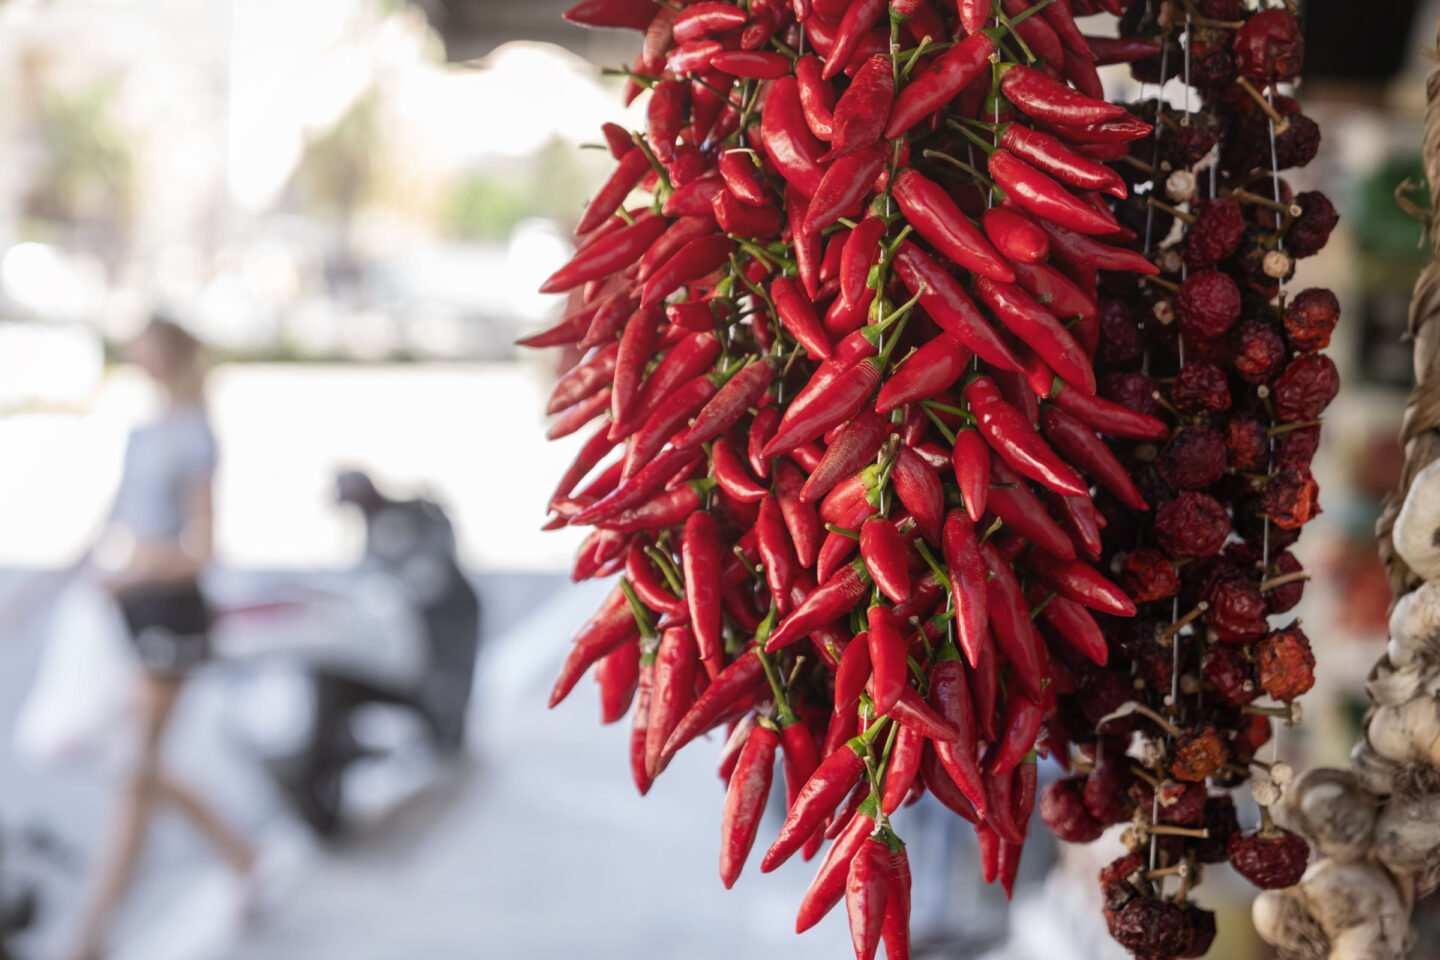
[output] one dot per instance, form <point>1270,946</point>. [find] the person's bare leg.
<point>235,849</point>
<point>158,694</point>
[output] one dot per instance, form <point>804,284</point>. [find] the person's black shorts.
<point>169,626</point>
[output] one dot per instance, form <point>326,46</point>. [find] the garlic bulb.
<point>1365,942</point>
<point>1415,625</point>
<point>1376,774</point>
<point>1342,896</point>
<point>1407,733</point>
<point>1417,528</point>
<point>1283,920</point>
<point>1332,809</point>
<point>1407,833</point>
<point>1390,686</point>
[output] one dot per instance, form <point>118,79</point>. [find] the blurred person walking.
<point>156,545</point>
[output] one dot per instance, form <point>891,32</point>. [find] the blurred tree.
<point>88,175</point>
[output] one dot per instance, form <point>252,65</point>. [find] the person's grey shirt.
<point>164,460</point>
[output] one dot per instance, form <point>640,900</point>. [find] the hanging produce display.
<point>941,414</point>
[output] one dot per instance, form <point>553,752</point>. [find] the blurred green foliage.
<point>554,183</point>
<point>89,171</point>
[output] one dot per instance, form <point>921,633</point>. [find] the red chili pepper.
<point>950,698</point>
<point>706,103</point>
<point>1107,417</point>
<point>731,474</point>
<point>1022,726</point>
<point>911,711</point>
<point>1110,50</point>
<point>1072,623</point>
<point>787,140</point>
<point>1017,443</point>
<point>829,884</point>
<point>738,170</point>
<point>670,416</point>
<point>797,316</point>
<point>919,489</point>
<point>806,245</point>
<point>777,553</point>
<point>867,891</point>
<point>1081,447</point>
<point>578,415</point>
<point>762,428</point>
<point>1082,583</point>
<point>800,517</point>
<point>1037,34</point>
<point>1000,792</point>
<point>967,585</point>
<point>568,330</point>
<point>840,400</point>
<point>854,447</point>
<point>860,115</point>
<point>732,685</point>
<point>860,16</point>
<point>691,262</point>
<point>621,248</point>
<point>663,510</point>
<point>635,350</point>
<point>846,181</point>
<point>1061,19</point>
<point>596,550</point>
<point>700,557</point>
<point>817,98</point>
<point>1009,866</point>
<point>590,454</point>
<point>617,14</point>
<point>729,404</point>
<point>989,844</point>
<point>835,597</point>
<point>1012,501</point>
<point>640,724</point>
<point>611,626</point>
<point>633,165</point>
<point>942,788</point>
<point>745,801</point>
<point>743,220</point>
<point>970,460</point>
<point>887,656</point>
<point>1121,130</point>
<point>860,253</point>
<point>617,674</point>
<point>752,64</point>
<point>904,768</point>
<point>694,198</point>
<point>672,695</point>
<point>1039,330</point>
<point>646,581</point>
<point>827,786</point>
<point>680,232</point>
<point>952,71</point>
<point>666,116</point>
<point>937,218</point>
<point>705,18</point>
<point>1015,235</point>
<point>1046,99</point>
<point>844,317</point>
<point>1088,252</point>
<point>1049,154</point>
<point>886,556</point>
<point>852,674</point>
<point>693,315</point>
<point>593,373</point>
<point>1010,621</point>
<point>926,373</point>
<point>945,302</point>
<point>1042,196</point>
<point>1057,292</point>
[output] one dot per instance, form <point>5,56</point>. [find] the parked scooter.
<point>422,625</point>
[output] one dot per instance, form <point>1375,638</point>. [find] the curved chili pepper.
<point>1057,293</point>
<point>817,98</point>
<point>967,585</point>
<point>578,415</point>
<point>730,403</point>
<point>989,844</point>
<point>952,71</point>
<point>1107,417</point>
<point>1083,76</point>
<point>1077,443</point>
<point>787,139</point>
<point>829,884</point>
<point>1010,620</point>
<point>840,503</point>
<point>1000,792</point>
<point>601,486</point>
<point>1042,196</point>
<point>633,165</point>
<point>694,198</point>
<point>593,451</point>
<point>852,674</point>
<point>688,359</point>
<point>640,724</point>
<point>672,693</point>
<point>844,317</point>
<point>890,673</point>
<point>603,633</point>
<point>846,181</point>
<point>745,801</point>
<point>1049,154</point>
<point>583,379</point>
<point>1072,623</point>
<point>634,353</point>
<point>594,552</point>
<point>797,316</point>
<point>919,489</point>
<point>854,447</point>
<point>1020,510</point>
<point>740,219</point>
<point>860,253</point>
<point>568,330</point>
<point>942,788</point>
<point>1110,50</point>
<point>800,758</point>
<point>1015,235</point>
<point>659,35</point>
<point>670,416</point>
<point>937,218</point>
<point>1078,581</point>
<point>731,475</point>
<point>692,315</point>
<point>1035,94</point>
<point>1010,435</point>
<point>945,302</point>
<point>808,262</point>
<point>1086,251</point>
<point>923,597</point>
<point>777,554</point>
<point>700,559</point>
<point>728,688</point>
<point>693,56</point>
<point>1121,130</point>
<point>800,517</point>
<point>737,169</point>
<point>617,675</point>
<point>1084,523</point>
<point>926,373</point>
<point>1022,726</point>
<point>827,786</point>
<point>646,581</point>
<point>867,892</point>
<point>1037,34</point>
<point>833,598</point>
<point>1039,330</point>
<point>904,767</point>
<point>706,104</point>
<point>679,233</point>
<point>762,428</point>
<point>860,115</point>
<point>663,510</point>
<point>620,249</point>
<point>841,399</point>
<point>886,556</point>
<point>704,18</point>
<point>970,460</point>
<point>860,16</point>
<point>914,712</point>
<point>691,262</point>
<point>950,698</point>
<point>666,116</point>
<point>838,547</point>
<point>752,64</point>
<point>1061,19</point>
<point>616,14</point>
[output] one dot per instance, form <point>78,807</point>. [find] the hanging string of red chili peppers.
<point>849,451</point>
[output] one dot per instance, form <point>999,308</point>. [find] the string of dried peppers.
<point>912,429</point>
